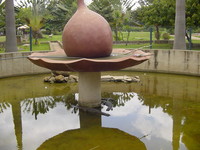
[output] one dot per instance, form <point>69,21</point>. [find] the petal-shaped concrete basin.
<point>119,59</point>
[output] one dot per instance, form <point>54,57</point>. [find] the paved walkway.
<point>55,46</point>
<point>193,37</point>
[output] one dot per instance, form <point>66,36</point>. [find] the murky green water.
<point>160,113</point>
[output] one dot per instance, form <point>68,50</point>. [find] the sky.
<point>87,2</point>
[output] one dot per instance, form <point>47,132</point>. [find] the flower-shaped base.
<point>119,59</point>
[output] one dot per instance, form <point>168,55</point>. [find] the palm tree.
<point>179,42</point>
<point>61,11</point>
<point>2,15</point>
<point>35,14</point>
<point>11,40</point>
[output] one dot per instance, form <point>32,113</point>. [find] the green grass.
<point>195,41</point>
<point>53,38</point>
<point>143,46</point>
<point>130,46</point>
<point>136,36</point>
<point>44,39</point>
<point>197,36</point>
<point>26,47</point>
<point>40,47</point>
<point>2,38</point>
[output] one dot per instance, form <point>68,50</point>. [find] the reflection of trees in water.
<point>191,124</point>
<point>4,106</point>
<point>185,115</point>
<point>119,98</point>
<point>184,112</point>
<point>155,101</point>
<point>39,105</point>
<point>42,105</point>
<point>69,101</point>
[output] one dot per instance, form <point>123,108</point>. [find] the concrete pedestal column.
<point>89,89</point>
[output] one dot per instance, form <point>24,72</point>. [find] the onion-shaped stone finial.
<point>87,34</point>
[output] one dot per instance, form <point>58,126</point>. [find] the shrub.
<point>166,36</point>
<point>196,30</point>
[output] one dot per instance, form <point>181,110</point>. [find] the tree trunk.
<point>179,41</point>
<point>157,34</point>
<point>116,34</point>
<point>11,40</point>
<point>127,37</point>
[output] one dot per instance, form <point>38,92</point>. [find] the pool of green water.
<point>162,112</point>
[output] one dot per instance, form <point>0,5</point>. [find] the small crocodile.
<point>92,110</point>
<point>108,103</point>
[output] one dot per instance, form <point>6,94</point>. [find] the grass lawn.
<point>45,39</point>
<point>2,38</point>
<point>134,36</point>
<point>137,36</point>
<point>26,47</point>
<point>40,47</point>
<point>53,38</point>
<point>197,36</point>
<point>195,41</point>
<point>144,46</point>
<point>131,46</point>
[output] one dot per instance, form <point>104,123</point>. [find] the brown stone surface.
<point>119,59</point>
<point>87,34</point>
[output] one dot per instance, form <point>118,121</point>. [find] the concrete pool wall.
<point>185,62</point>
<point>16,64</point>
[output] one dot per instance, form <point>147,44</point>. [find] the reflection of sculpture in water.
<point>42,105</point>
<point>92,136</point>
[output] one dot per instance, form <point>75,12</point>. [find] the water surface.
<point>159,113</point>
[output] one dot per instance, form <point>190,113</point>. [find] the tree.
<point>34,14</point>
<point>104,8</point>
<point>2,16</point>
<point>114,11</point>
<point>121,16</point>
<point>157,13</point>
<point>179,41</point>
<point>192,13</point>
<point>11,40</point>
<point>61,11</point>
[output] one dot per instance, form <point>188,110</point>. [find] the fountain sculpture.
<point>87,44</point>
